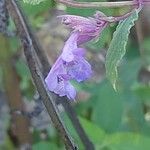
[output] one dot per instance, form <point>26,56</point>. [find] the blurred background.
<point>112,120</point>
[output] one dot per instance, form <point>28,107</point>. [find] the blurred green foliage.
<point>113,120</point>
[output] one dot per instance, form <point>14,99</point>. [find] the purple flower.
<point>71,64</point>
<point>88,28</point>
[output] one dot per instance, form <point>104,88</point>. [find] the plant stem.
<point>47,98</point>
<point>89,5</point>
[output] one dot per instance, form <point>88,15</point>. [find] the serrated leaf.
<point>34,2</point>
<point>117,48</point>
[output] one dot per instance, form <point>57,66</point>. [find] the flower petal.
<point>84,38</point>
<point>60,89</point>
<point>71,64</point>
<point>74,21</point>
<point>51,81</point>
<point>70,91</point>
<point>52,77</point>
<point>71,44</point>
<point>79,52</point>
<point>80,70</point>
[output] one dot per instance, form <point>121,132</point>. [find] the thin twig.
<point>38,49</point>
<point>15,13</point>
<point>89,5</point>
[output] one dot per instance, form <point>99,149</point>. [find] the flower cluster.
<point>71,64</point>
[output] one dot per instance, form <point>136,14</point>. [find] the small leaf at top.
<point>117,48</point>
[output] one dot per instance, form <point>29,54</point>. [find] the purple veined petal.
<point>70,91</point>
<point>58,66</point>
<point>98,22</point>
<point>86,29</point>
<point>70,45</point>
<point>64,77</point>
<point>84,38</point>
<point>79,52</point>
<point>64,88</point>
<point>71,42</point>
<point>51,81</point>
<point>60,89</point>
<point>67,56</point>
<point>52,77</point>
<point>80,70</point>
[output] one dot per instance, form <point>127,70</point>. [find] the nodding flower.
<point>71,64</point>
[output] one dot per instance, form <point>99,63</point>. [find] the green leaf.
<point>26,85</point>
<point>127,141</point>
<point>142,90</point>
<point>95,133</point>
<point>128,73</point>
<point>8,144</point>
<point>34,11</point>
<point>117,48</point>
<point>24,74</point>
<point>33,1</point>
<point>108,108</point>
<point>44,146</point>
